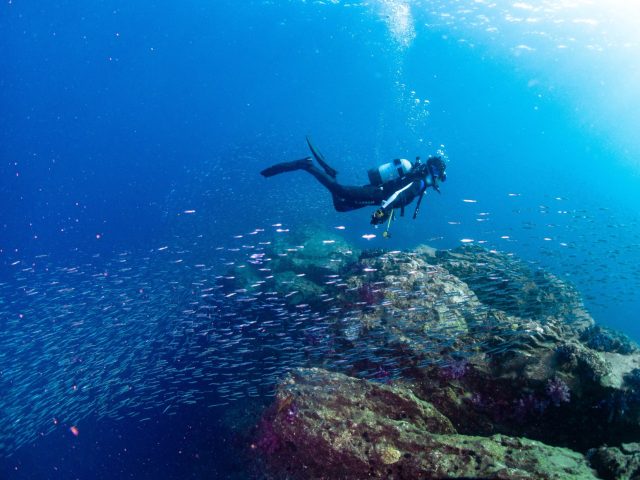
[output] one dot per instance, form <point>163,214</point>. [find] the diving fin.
<point>320,159</point>
<point>286,167</point>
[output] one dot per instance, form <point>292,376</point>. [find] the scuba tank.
<point>398,168</point>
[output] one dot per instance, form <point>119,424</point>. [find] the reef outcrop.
<point>445,364</point>
<point>617,463</point>
<point>330,426</point>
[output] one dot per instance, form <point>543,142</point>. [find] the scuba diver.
<point>392,185</point>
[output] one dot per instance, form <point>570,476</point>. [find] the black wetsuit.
<point>351,197</point>
<point>348,197</point>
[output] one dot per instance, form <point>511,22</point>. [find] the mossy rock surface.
<point>335,426</point>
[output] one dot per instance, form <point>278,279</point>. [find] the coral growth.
<point>370,294</point>
<point>558,391</point>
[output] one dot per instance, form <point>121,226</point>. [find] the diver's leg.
<point>304,164</point>
<point>287,167</point>
<point>347,197</point>
<point>325,179</point>
<point>341,204</point>
<point>320,159</point>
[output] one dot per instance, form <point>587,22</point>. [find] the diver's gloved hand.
<point>379,216</point>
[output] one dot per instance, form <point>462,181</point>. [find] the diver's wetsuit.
<point>347,197</point>
<point>393,194</point>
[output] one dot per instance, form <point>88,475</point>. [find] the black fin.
<point>286,167</point>
<point>320,159</point>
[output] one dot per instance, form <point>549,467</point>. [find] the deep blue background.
<point>116,117</point>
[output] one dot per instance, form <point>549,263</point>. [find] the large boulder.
<point>405,303</point>
<point>493,345</point>
<point>473,356</point>
<point>511,285</point>
<point>296,266</point>
<point>329,426</point>
<point>613,463</point>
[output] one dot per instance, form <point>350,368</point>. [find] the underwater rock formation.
<point>614,463</point>
<point>337,427</point>
<point>481,352</point>
<point>510,285</point>
<point>303,262</point>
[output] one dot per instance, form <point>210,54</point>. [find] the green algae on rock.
<point>351,429</point>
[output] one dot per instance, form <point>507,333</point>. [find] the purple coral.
<point>478,401</point>
<point>291,413</point>
<point>455,370</point>
<point>369,294</point>
<point>268,440</point>
<point>558,391</point>
<point>529,406</point>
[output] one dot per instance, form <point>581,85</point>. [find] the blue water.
<point>119,117</point>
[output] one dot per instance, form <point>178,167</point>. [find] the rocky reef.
<point>330,426</point>
<point>445,364</point>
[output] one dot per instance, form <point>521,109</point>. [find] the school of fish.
<point>136,335</point>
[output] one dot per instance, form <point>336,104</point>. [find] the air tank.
<point>389,171</point>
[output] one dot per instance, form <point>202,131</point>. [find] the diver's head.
<point>437,168</point>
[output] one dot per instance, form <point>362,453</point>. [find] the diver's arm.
<point>422,192</point>
<point>398,199</point>
<point>389,201</point>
